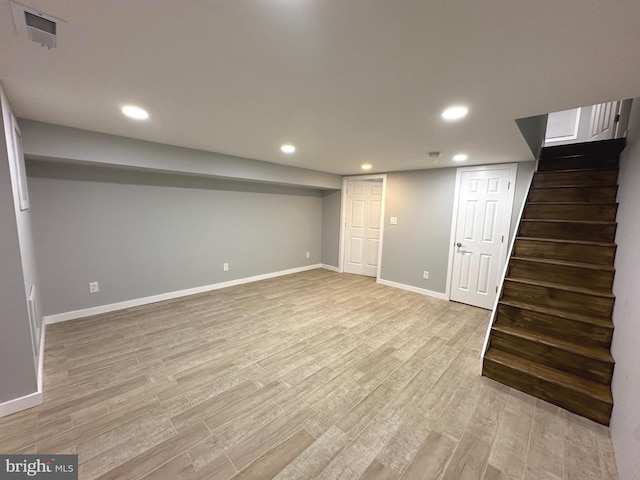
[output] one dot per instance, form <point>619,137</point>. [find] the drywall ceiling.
<point>345,81</point>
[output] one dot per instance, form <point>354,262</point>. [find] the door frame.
<point>343,217</point>
<point>454,216</point>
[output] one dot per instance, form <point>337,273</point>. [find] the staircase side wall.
<point>625,420</point>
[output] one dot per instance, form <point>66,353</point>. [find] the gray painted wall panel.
<point>331,206</point>
<point>55,142</point>
<point>142,240</point>
<point>625,421</point>
<point>17,368</point>
<point>423,202</point>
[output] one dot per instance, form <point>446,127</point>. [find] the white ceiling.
<point>346,81</point>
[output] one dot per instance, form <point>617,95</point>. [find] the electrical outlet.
<point>393,220</point>
<point>425,275</point>
<point>307,254</point>
<point>94,287</point>
<point>225,267</point>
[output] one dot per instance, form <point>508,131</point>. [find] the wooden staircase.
<point>552,332</point>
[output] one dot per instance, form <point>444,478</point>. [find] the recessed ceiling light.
<point>460,157</point>
<point>365,166</point>
<point>135,112</point>
<point>288,148</point>
<point>455,113</point>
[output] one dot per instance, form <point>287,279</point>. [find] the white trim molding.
<point>330,267</point>
<point>33,399</point>
<point>411,288</point>
<point>88,312</point>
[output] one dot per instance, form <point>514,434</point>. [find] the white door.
<point>362,232</point>
<point>481,231</point>
<point>604,118</point>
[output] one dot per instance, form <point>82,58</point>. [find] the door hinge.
<point>502,241</point>
<point>496,288</point>
<point>508,185</point>
<point>617,118</point>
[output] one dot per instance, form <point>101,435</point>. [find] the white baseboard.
<point>330,267</point>
<point>410,288</point>
<point>112,307</point>
<point>33,399</point>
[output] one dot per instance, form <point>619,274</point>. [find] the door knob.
<point>458,244</point>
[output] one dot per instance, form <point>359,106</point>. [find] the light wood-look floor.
<point>313,375</point>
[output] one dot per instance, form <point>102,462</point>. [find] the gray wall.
<point>523,178</point>
<point>17,368</point>
<point>423,202</point>
<point>331,209</point>
<point>48,141</point>
<point>141,234</point>
<point>625,421</point>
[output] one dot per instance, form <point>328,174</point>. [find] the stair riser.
<point>565,275</point>
<point>597,306</point>
<point>561,328</point>
<point>592,212</point>
<point>597,254</point>
<point>574,194</point>
<point>575,364</point>
<point>568,231</point>
<point>585,178</point>
<point>600,149</point>
<point>578,162</point>
<point>564,397</point>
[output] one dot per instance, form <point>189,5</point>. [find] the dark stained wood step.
<point>568,230</point>
<point>575,178</point>
<point>578,162</point>
<point>560,297</point>
<point>584,397</point>
<point>571,211</point>
<point>591,362</point>
<point>601,253</point>
<point>563,325</point>
<point>595,277</point>
<point>601,148</point>
<point>573,194</point>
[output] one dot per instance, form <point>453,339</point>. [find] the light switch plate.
<point>394,220</point>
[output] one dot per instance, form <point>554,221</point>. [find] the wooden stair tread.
<point>560,286</point>
<point>597,353</point>
<point>567,315</point>
<point>547,204</point>
<point>589,222</point>
<point>601,147</point>
<point>566,263</point>
<point>551,375</point>
<point>564,241</point>
<point>578,170</point>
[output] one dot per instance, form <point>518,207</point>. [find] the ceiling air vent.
<point>36,26</point>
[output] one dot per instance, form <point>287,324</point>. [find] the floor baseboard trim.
<point>33,399</point>
<point>112,307</point>
<point>410,288</point>
<point>329,267</point>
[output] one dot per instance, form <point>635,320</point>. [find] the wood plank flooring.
<point>313,375</point>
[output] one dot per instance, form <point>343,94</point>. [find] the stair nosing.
<point>559,286</point>
<point>588,222</point>
<point>562,240</point>
<point>548,340</point>
<point>567,263</point>
<point>588,387</point>
<point>564,314</point>
<point>576,170</point>
<point>612,204</point>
